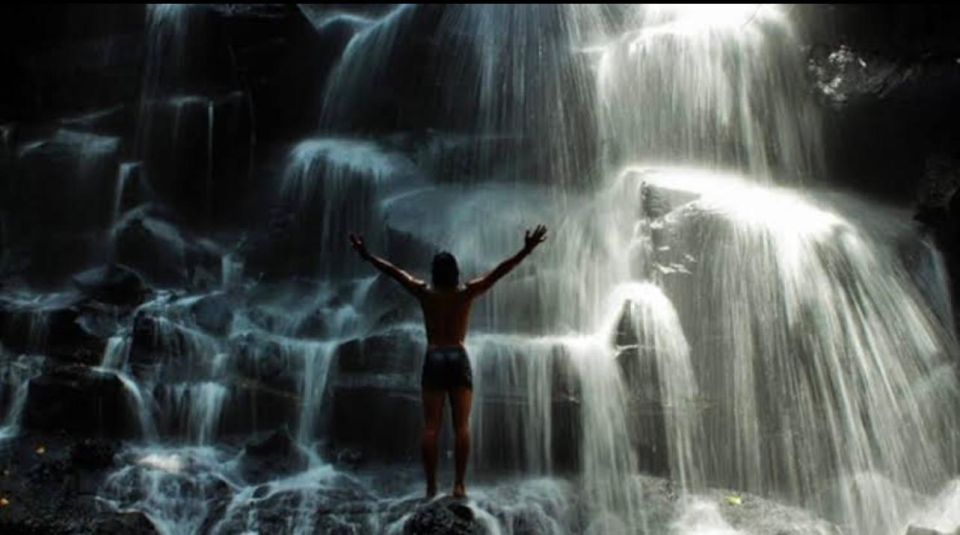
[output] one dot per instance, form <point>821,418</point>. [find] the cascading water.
<point>720,86</point>
<point>691,317</point>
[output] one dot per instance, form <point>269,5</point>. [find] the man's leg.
<point>432,418</point>
<point>461,399</point>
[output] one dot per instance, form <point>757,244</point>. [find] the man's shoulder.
<point>462,292</point>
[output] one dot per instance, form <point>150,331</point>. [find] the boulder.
<point>92,453</point>
<point>380,423</point>
<point>197,155</point>
<point>397,351</point>
<point>639,367</point>
<point>176,350</point>
<point>286,56</point>
<point>266,457</point>
<point>255,407</point>
<point>214,312</point>
<point>124,523</point>
<point>65,182</point>
<point>50,325</point>
<point>154,246</point>
<point>264,360</point>
<point>116,120</point>
<point>81,401</point>
<point>73,59</point>
<point>113,284</point>
<point>340,505</point>
<point>446,516</point>
<point>885,115</point>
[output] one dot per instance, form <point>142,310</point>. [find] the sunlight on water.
<point>700,312</point>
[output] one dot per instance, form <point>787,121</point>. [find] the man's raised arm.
<point>408,281</point>
<point>530,242</point>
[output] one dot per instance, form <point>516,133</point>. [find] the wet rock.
<point>266,362</point>
<point>64,70</point>
<point>113,284</point>
<point>81,401</point>
<point>395,351</point>
<point>340,505</point>
<point>114,120</point>
<point>157,248</point>
<point>45,491</point>
<point>273,253</point>
<point>65,182</point>
<point>646,410</point>
<point>349,457</point>
<point>128,523</point>
<point>287,58</point>
<point>15,373</point>
<point>843,76</point>
<point>50,325</point>
<point>197,154</point>
<point>93,454</point>
<point>161,340</point>
<point>381,423</point>
<point>886,113</point>
<point>214,312</point>
<point>655,201</point>
<point>274,454</point>
<point>255,407</point>
<point>447,516</point>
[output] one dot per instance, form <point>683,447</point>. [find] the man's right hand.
<point>532,239</point>
<point>360,247</point>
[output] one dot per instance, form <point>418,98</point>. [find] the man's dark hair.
<point>446,273</point>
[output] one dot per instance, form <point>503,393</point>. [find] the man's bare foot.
<point>459,491</point>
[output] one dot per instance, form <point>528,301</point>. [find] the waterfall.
<point>712,339</point>
<point>697,85</point>
<point>24,368</point>
<point>124,173</point>
<point>208,189</point>
<point>115,353</point>
<point>333,186</point>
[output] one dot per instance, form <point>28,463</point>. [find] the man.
<point>446,366</point>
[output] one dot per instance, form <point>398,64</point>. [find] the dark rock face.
<point>159,249</point>
<point>198,155</point>
<point>272,455</point>
<point>396,351</point>
<point>53,327</point>
<point>264,361</point>
<point>93,453</point>
<point>58,171</point>
<point>134,523</point>
<point>639,366</point>
<point>113,284</point>
<point>394,433</point>
<point>213,312</point>
<point>82,402</point>
<point>446,515</point>
<point>255,407</point>
<point>886,75</point>
<point>79,60</point>
<point>58,201</point>
<point>46,492</point>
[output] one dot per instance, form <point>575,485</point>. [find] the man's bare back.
<point>446,317</point>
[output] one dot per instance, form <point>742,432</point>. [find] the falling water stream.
<point>705,308</point>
